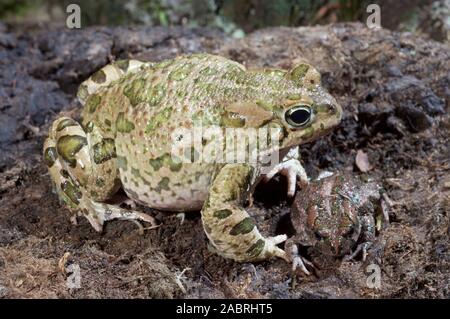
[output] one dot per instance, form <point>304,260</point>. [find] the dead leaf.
<point>362,161</point>
<point>63,261</point>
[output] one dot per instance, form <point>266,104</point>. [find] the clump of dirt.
<point>393,87</point>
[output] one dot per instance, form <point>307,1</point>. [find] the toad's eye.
<point>298,116</point>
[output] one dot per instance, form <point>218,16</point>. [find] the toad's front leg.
<point>230,229</point>
<point>290,167</point>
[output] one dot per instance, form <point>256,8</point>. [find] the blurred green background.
<point>235,17</point>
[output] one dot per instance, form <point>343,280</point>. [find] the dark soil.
<point>395,91</point>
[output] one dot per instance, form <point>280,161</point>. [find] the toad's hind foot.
<point>97,213</point>
<point>82,165</point>
<point>299,262</point>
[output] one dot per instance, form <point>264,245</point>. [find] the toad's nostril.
<point>331,108</point>
<point>327,108</point>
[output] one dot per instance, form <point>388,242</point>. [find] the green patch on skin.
<point>156,163</point>
<point>208,71</point>
<point>68,146</point>
<point>299,72</point>
<point>275,73</point>
<point>89,127</point>
<point>163,64</point>
<point>123,65</point>
<point>148,173</point>
<point>294,97</point>
<point>64,173</point>
<point>265,105</point>
<point>256,249</point>
<point>181,94</point>
<point>72,192</point>
<point>123,125</point>
<point>231,196</point>
<point>67,200</point>
<point>134,91</point>
<point>122,162</point>
<point>94,194</point>
<point>156,94</point>
<point>180,73</point>
<point>159,119</point>
<point>200,118</point>
<point>107,122</point>
<point>99,182</point>
<point>65,123</point>
<point>104,150</point>
<point>99,77</point>
<point>223,213</point>
<point>92,102</point>
<point>231,119</point>
<point>208,88</point>
<point>82,92</point>
<point>135,172</point>
<point>146,182</point>
<point>323,108</point>
<point>50,156</point>
<point>163,185</point>
<point>309,132</point>
<point>243,227</point>
<point>166,161</point>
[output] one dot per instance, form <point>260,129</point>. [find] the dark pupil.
<point>299,116</point>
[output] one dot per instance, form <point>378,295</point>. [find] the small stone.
<point>362,161</point>
<point>3,291</point>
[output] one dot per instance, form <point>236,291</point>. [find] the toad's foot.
<point>299,262</point>
<point>361,247</point>
<point>98,213</point>
<point>292,169</point>
<point>82,165</point>
<point>229,228</point>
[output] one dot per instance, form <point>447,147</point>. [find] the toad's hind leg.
<point>83,167</point>
<point>231,231</point>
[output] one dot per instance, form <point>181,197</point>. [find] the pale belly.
<point>165,189</point>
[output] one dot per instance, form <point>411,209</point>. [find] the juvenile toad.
<point>335,218</point>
